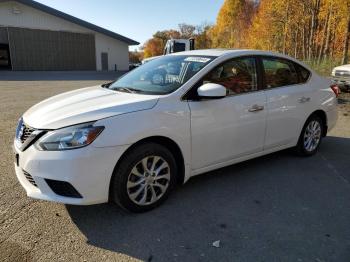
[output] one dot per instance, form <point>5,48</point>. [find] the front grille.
<point>27,132</point>
<point>63,188</point>
<point>29,178</point>
<point>26,135</point>
<point>342,73</point>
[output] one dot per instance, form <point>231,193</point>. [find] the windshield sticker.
<point>197,59</point>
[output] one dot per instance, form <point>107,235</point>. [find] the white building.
<point>37,37</point>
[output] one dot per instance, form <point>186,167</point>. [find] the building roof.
<point>77,21</point>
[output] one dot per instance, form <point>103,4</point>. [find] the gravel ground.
<point>275,208</point>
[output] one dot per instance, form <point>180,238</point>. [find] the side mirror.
<point>211,91</point>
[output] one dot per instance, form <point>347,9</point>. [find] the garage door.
<point>51,50</point>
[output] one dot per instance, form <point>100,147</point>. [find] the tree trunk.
<point>303,39</point>
<point>346,44</point>
<point>331,51</point>
<point>328,36</point>
<point>314,25</point>
<point>296,41</point>
<point>325,35</point>
<point>310,40</point>
<point>285,29</point>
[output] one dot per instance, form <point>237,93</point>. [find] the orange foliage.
<point>233,20</point>
<point>306,29</point>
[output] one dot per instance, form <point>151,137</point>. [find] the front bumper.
<point>87,169</point>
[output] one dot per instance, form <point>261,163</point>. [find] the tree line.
<point>315,31</point>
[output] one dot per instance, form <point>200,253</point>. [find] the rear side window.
<point>279,72</point>
<point>304,74</point>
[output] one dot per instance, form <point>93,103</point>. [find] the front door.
<point>231,127</point>
<point>104,61</point>
<point>5,60</point>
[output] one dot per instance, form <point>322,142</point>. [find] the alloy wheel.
<point>312,136</point>
<point>148,180</point>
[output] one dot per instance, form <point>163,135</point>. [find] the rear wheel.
<point>311,136</point>
<point>144,178</point>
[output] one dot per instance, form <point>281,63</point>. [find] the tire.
<point>311,136</point>
<point>144,178</point>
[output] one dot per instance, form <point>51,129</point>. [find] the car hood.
<point>343,67</point>
<point>85,105</point>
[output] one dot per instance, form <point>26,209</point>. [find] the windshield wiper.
<point>128,90</point>
<point>125,89</point>
<point>133,90</point>
<point>107,85</point>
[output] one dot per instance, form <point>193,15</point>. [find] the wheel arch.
<point>170,144</point>
<point>321,114</point>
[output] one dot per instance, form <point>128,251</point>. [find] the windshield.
<point>162,75</point>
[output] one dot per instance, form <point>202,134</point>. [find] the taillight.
<point>336,90</point>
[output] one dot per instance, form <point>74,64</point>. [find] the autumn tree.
<point>167,34</point>
<point>233,19</point>
<point>187,30</point>
<point>266,28</point>
<point>316,31</point>
<point>135,56</point>
<point>202,36</point>
<point>153,47</point>
<point>345,56</point>
<point>311,30</point>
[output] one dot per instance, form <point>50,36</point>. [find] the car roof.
<point>220,52</point>
<point>238,52</point>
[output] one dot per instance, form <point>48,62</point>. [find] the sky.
<point>139,19</point>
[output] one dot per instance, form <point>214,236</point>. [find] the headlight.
<point>69,138</point>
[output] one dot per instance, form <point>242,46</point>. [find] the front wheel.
<point>144,178</point>
<point>310,137</point>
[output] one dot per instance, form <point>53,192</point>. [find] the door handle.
<point>304,99</point>
<point>256,108</point>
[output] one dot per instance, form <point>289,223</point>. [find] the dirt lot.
<point>275,208</point>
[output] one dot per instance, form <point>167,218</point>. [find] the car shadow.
<point>278,207</point>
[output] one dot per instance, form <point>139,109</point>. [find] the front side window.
<point>162,75</point>
<point>237,75</point>
<point>279,72</point>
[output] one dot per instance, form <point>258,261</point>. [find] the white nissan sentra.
<point>133,140</point>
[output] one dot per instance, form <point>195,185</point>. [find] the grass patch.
<point>325,67</point>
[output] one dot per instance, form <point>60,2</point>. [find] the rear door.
<point>231,127</point>
<point>288,100</point>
